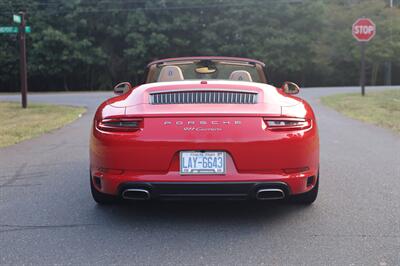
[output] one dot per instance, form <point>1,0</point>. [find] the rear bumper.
<point>238,186</point>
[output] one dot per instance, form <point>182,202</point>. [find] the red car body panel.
<point>255,153</point>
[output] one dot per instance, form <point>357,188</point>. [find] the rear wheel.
<point>101,198</point>
<point>308,197</point>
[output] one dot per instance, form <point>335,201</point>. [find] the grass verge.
<point>379,108</point>
<point>19,124</point>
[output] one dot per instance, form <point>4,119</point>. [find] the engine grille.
<point>195,97</point>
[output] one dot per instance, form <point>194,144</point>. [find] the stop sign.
<point>364,29</point>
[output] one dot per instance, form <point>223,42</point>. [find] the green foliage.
<point>88,44</point>
<point>338,53</point>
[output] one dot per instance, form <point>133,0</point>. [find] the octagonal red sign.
<point>364,29</point>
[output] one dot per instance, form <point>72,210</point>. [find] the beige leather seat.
<point>241,75</point>
<point>170,73</point>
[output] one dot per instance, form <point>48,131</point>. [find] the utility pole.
<point>22,54</point>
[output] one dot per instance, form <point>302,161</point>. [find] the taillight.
<point>120,124</point>
<point>287,123</point>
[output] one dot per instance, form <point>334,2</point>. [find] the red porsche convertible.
<point>205,128</point>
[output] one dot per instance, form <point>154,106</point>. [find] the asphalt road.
<point>47,215</point>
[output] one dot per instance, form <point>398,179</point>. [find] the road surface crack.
<point>10,227</point>
<point>356,235</point>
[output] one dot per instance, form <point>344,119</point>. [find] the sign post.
<point>22,29</point>
<point>23,71</point>
<point>362,75</point>
<point>363,31</point>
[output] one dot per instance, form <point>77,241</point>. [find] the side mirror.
<point>290,87</point>
<point>122,88</point>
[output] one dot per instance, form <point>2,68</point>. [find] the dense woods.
<point>91,45</point>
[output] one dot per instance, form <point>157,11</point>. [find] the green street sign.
<point>17,19</point>
<point>14,29</point>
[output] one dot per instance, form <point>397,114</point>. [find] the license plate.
<point>210,162</point>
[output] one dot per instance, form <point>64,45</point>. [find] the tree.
<point>88,44</point>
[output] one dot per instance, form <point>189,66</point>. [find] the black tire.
<point>308,197</point>
<point>101,198</point>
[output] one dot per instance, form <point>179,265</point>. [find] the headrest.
<point>241,75</point>
<point>170,73</point>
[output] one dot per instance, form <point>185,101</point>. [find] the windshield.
<point>205,70</point>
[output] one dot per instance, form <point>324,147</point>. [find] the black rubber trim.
<point>204,190</point>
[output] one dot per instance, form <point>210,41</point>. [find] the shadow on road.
<point>198,213</point>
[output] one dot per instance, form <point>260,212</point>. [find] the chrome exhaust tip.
<point>270,194</point>
<point>136,194</point>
